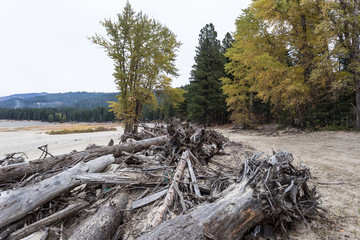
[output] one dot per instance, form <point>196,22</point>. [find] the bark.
<point>15,204</point>
<point>228,218</point>
<point>104,178</point>
<point>52,219</point>
<point>105,222</point>
<point>18,171</point>
<point>170,196</point>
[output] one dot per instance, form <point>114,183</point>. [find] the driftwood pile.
<point>157,187</point>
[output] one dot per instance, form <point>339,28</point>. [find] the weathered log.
<point>227,218</point>
<point>136,159</point>
<point>52,219</point>
<point>104,178</point>
<point>104,223</point>
<point>18,171</point>
<point>14,204</point>
<point>170,196</point>
<point>193,177</point>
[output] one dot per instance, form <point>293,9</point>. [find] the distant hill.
<point>80,100</point>
<point>22,96</point>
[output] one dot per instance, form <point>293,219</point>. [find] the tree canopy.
<point>144,52</point>
<point>293,55</point>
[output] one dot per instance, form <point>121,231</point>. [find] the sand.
<point>333,158</point>
<point>334,161</point>
<point>27,136</point>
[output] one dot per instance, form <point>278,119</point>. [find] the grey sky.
<point>44,45</point>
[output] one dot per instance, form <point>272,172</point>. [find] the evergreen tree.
<point>206,102</point>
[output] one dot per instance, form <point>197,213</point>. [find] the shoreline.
<point>27,136</point>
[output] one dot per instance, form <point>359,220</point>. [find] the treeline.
<point>99,114</point>
<point>301,58</point>
<point>291,62</point>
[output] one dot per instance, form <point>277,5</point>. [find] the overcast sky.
<point>44,45</point>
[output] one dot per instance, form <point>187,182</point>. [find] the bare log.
<point>52,219</point>
<point>20,170</point>
<point>228,218</point>
<point>170,196</point>
<point>105,222</point>
<point>15,204</point>
<point>103,178</point>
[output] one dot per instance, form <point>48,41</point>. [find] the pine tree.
<point>206,102</point>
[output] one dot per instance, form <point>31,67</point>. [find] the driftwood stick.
<point>15,204</point>
<point>330,183</point>
<point>170,196</point>
<point>103,178</point>
<point>105,222</point>
<point>193,177</point>
<point>150,133</point>
<point>146,200</point>
<point>52,219</point>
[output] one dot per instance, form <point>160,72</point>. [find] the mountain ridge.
<point>81,100</point>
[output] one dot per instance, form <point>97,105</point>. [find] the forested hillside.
<point>81,100</point>
<point>58,107</point>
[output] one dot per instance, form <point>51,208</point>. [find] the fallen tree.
<point>21,170</point>
<point>227,218</point>
<point>15,204</point>
<point>104,223</point>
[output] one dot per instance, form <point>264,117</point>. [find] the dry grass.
<point>83,130</point>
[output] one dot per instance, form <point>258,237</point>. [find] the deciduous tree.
<point>281,56</point>
<point>144,52</point>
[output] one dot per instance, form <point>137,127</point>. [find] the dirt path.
<point>334,160</point>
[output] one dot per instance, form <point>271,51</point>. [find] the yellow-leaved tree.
<point>144,53</point>
<point>280,56</point>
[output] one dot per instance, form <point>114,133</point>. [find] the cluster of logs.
<point>157,187</point>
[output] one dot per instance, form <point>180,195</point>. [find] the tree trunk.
<point>228,218</point>
<point>105,222</point>
<point>15,204</point>
<point>18,171</point>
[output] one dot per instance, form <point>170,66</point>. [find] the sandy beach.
<point>27,136</point>
<point>333,158</point>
